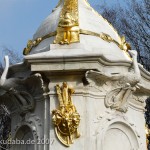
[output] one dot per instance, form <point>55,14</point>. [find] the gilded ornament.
<point>67,35</point>
<point>66,118</point>
<point>68,27</point>
<point>124,45</point>
<point>28,48</point>
<point>68,30</point>
<point>30,45</point>
<point>106,37</point>
<point>36,42</point>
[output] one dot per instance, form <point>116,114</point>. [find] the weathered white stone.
<point>110,89</point>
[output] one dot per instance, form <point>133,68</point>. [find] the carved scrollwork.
<point>118,98</point>
<point>139,98</point>
<point>66,118</point>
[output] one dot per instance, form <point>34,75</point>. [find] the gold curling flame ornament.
<point>66,118</point>
<point>68,27</point>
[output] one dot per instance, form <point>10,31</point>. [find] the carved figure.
<point>118,97</point>
<point>66,118</point>
<point>68,27</point>
<point>20,89</point>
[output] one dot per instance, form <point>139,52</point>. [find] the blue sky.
<point>19,19</point>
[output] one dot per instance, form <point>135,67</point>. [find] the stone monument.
<point>80,86</point>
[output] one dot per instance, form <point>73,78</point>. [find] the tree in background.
<point>5,126</point>
<point>133,21</point>
<point>14,57</point>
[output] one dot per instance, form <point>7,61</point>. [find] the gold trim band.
<point>123,45</point>
<point>36,42</point>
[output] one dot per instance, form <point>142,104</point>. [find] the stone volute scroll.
<point>66,119</point>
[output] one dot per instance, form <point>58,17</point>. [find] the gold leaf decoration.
<point>66,118</point>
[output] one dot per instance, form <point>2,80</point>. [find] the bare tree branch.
<point>134,23</point>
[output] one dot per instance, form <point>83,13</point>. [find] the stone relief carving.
<point>118,98</point>
<point>22,91</point>
<point>24,100</point>
<point>117,87</point>
<point>139,98</point>
<point>33,121</point>
<point>29,128</point>
<point>116,120</point>
<point>98,80</point>
<point>20,95</point>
